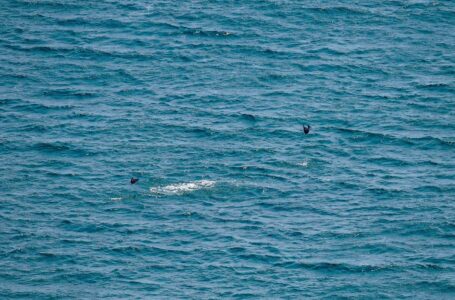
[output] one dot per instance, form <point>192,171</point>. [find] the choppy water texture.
<point>204,102</point>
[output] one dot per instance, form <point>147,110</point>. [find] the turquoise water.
<point>204,102</point>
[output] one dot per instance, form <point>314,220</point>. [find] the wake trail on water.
<point>183,188</point>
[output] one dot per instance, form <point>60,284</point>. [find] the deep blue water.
<point>204,102</point>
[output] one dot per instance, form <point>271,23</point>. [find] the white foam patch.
<point>116,199</point>
<point>183,188</point>
<point>303,163</point>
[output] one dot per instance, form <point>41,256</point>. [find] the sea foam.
<point>183,188</point>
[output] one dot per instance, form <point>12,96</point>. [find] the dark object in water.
<point>248,117</point>
<point>306,129</point>
<point>134,180</point>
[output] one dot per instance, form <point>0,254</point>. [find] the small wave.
<point>337,266</point>
<point>326,50</point>
<point>248,117</point>
<point>71,21</point>
<point>303,163</point>
<point>50,4</point>
<point>436,86</point>
<point>68,93</point>
<point>80,51</point>
<point>39,107</point>
<point>361,134</point>
<point>52,146</point>
<point>340,10</point>
<point>34,128</point>
<point>61,147</point>
<point>207,33</point>
<point>433,85</point>
<point>183,188</point>
<point>436,140</point>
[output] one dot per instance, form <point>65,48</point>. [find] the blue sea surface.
<point>204,102</point>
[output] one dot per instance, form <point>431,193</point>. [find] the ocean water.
<point>204,102</point>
